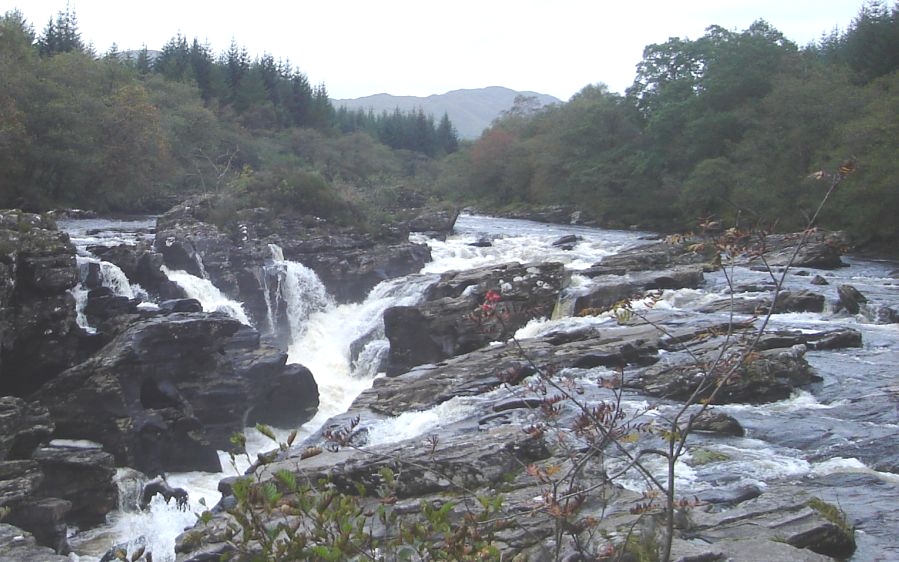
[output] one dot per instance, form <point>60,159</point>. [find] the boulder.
<point>23,426</point>
<point>654,257</point>
<point>816,249</point>
<point>102,305</point>
<point>454,318</point>
<point>787,301</point>
<point>83,476</point>
<point>168,391</point>
<point>46,520</point>
<point>180,305</point>
<point>606,290</point>
<point>159,486</point>
<point>567,242</point>
<point>851,299</point>
<point>769,376</point>
<point>124,256</point>
<point>351,264</point>
<point>38,334</point>
<point>718,423</point>
<point>19,481</point>
<point>19,545</point>
<point>785,513</point>
<point>23,498</point>
<point>434,222</point>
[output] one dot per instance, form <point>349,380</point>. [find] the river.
<point>838,438</point>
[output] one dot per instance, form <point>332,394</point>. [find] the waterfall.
<point>111,276</point>
<point>325,344</point>
<point>297,288</point>
<point>209,296</point>
<point>80,294</point>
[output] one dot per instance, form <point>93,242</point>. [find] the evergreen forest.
<point>732,126</point>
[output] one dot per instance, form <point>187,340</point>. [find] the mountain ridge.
<point>470,110</point>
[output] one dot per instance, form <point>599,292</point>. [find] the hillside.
<point>471,111</point>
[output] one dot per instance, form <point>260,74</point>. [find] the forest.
<point>732,126</point>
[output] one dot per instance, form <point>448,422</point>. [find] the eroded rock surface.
<point>169,391</point>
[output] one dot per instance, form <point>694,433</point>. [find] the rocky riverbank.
<point>162,388</point>
<point>504,439</point>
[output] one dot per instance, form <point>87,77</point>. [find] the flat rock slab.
<point>18,545</point>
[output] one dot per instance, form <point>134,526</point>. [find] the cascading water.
<point>837,430</point>
<point>208,294</point>
<point>296,288</point>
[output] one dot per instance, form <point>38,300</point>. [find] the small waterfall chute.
<point>295,292</point>
<point>210,297</point>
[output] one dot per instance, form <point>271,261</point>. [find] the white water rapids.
<point>853,402</point>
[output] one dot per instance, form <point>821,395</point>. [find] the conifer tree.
<point>61,35</point>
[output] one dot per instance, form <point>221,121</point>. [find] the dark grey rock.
<point>38,334</point>
<point>850,299</point>
<point>19,546</point>
<point>719,423</point>
<point>453,319</point>
<point>23,426</point>
<point>82,476</point>
<point>170,390</point>
<point>820,250</point>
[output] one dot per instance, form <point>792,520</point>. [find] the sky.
<point>420,47</point>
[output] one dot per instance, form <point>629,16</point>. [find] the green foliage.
<point>833,514</point>
<point>283,519</point>
<point>61,35</point>
<point>411,130</point>
<point>727,125</point>
<point>119,134</point>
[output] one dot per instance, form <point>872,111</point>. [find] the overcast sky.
<point>419,47</point>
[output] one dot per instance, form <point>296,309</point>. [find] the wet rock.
<point>770,376</point>
<point>451,320</point>
<point>38,334</point>
<point>351,265</point>
<point>18,481</point>
<point>818,280</point>
<point>45,519</point>
<point>482,242</point>
<point>886,315</point>
<point>567,242</point>
<point>123,256</point>
<point>23,426</point>
<point>84,477</point>
<point>93,278</point>
<point>102,305</point>
<point>654,257</point>
<point>170,390</point>
<point>607,290</point>
<point>785,513</point>
<point>180,305</point>
<point>850,299</point>
<point>729,496</point>
<point>787,301</point>
<point>719,423</point>
<point>820,250</point>
<point>437,222</point>
<point>158,486</point>
<point>19,545</point>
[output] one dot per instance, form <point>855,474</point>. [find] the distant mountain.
<point>471,111</point>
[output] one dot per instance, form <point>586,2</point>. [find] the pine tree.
<point>143,61</point>
<point>62,35</point>
<point>174,61</point>
<point>447,139</point>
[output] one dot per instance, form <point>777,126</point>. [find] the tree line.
<point>135,131</point>
<point>732,126</point>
